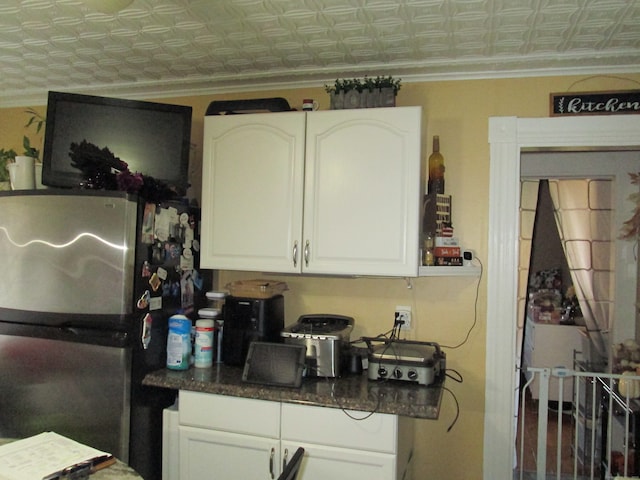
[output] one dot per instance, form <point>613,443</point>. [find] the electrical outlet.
<point>403,316</point>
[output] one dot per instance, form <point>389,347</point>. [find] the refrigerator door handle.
<point>71,330</point>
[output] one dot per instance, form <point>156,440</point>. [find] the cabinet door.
<point>227,456</point>
<point>252,191</point>
<point>362,191</point>
<point>337,445</point>
<point>322,462</point>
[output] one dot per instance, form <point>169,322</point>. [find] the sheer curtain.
<point>583,213</point>
<point>528,205</point>
<point>528,202</point>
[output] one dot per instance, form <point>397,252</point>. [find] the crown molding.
<point>317,78</point>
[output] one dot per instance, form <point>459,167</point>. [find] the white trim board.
<point>508,137</point>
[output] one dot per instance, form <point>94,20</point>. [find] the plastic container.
<point>204,344</point>
<point>179,343</point>
<point>216,296</point>
<point>213,313</point>
<point>209,313</point>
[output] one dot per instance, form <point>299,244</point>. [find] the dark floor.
<point>529,454</point>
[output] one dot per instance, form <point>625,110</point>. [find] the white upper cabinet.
<point>362,191</point>
<point>326,192</point>
<point>252,182</point>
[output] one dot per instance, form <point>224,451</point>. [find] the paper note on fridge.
<point>43,456</point>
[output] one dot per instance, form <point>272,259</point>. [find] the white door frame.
<point>508,136</point>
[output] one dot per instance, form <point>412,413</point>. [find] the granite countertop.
<point>351,392</point>
<point>117,471</point>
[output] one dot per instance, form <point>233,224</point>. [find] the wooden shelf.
<point>472,271</point>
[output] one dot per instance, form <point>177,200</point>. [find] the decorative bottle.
<point>436,169</point>
<point>427,252</point>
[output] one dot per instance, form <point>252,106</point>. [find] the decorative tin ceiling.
<point>157,48</point>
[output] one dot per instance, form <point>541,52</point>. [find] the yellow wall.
<point>444,309</point>
<point>13,127</point>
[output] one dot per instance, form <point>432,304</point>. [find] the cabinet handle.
<point>284,459</point>
<point>271,459</point>
<point>306,254</point>
<point>295,254</point>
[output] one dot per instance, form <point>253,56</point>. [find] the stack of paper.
<point>48,456</point>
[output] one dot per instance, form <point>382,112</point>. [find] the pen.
<point>82,470</point>
<point>78,471</point>
<point>101,462</point>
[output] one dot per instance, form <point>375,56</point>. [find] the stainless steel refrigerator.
<point>88,281</point>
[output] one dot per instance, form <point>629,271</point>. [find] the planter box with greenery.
<point>8,156</point>
<point>366,93</point>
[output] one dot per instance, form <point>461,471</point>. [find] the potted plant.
<point>366,93</point>
<point>6,157</point>
<point>342,92</point>
<point>388,88</point>
<point>9,156</point>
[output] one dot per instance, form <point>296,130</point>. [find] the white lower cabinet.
<point>224,437</point>
<point>213,454</point>
<point>348,444</point>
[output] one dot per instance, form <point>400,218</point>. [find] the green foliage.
<point>35,120</point>
<point>29,151</point>
<point>6,157</point>
<point>368,83</point>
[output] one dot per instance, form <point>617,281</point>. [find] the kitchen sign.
<point>595,103</point>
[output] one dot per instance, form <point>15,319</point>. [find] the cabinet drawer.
<point>332,427</point>
<point>230,414</point>
<point>323,463</point>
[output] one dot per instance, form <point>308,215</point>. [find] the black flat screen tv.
<point>152,138</point>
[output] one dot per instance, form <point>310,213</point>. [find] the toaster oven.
<point>326,337</point>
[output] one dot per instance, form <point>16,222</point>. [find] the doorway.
<point>566,249</point>
<point>508,138</point>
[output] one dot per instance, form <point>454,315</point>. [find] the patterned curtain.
<point>583,213</point>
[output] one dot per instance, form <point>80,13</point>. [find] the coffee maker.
<point>248,320</point>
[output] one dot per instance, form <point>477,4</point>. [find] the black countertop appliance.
<point>248,320</point>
